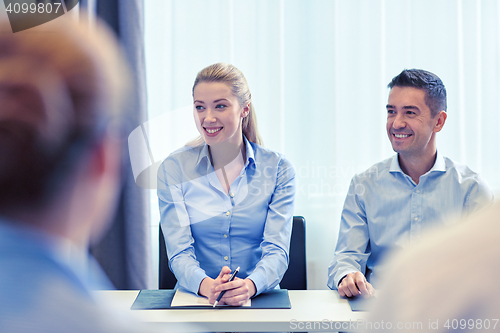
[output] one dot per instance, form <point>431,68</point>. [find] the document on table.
<point>162,299</point>
<point>186,299</point>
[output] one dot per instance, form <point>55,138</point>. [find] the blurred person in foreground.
<point>61,91</point>
<point>446,283</point>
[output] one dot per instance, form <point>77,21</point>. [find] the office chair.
<point>167,279</point>
<point>295,277</point>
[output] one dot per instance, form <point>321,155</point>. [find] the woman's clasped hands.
<point>238,291</point>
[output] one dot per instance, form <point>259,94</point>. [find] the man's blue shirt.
<point>206,229</point>
<point>46,283</point>
<point>386,209</point>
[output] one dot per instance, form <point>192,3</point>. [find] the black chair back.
<point>295,277</point>
<point>167,279</point>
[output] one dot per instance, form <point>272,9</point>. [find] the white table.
<point>312,310</point>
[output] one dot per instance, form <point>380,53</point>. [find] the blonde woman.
<point>226,201</point>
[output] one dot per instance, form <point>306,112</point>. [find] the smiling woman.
<point>226,201</point>
<point>218,113</point>
<point>228,83</point>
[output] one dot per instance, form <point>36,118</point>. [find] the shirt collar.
<point>203,155</point>
<point>439,164</point>
<point>249,151</point>
<point>395,164</point>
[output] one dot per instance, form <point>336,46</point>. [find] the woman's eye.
<point>199,107</point>
<point>220,106</point>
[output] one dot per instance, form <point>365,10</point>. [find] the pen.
<point>231,278</point>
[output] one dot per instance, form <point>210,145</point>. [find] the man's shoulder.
<point>461,170</point>
<point>36,269</point>
<point>51,303</point>
<point>376,171</point>
<point>38,290</point>
<point>28,263</point>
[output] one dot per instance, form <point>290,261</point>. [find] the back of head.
<point>435,92</point>
<point>234,78</point>
<point>61,85</point>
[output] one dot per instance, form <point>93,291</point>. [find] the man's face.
<point>410,126</point>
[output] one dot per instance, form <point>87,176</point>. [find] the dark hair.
<point>435,92</point>
<point>59,92</point>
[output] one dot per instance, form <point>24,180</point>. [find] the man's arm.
<point>352,251</point>
<point>478,196</point>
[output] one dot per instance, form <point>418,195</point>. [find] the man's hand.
<point>238,291</point>
<point>355,284</point>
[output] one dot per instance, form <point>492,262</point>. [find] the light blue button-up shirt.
<point>206,229</point>
<point>386,209</point>
<point>46,283</point>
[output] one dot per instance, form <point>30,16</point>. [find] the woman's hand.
<point>237,293</point>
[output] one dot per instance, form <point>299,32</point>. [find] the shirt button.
<point>226,257</point>
<point>416,218</point>
<point>225,236</point>
<point>232,195</point>
<point>228,213</point>
<point>418,191</point>
<point>241,175</point>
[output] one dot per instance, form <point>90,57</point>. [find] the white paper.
<point>185,298</point>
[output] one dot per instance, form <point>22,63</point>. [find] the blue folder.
<point>360,303</point>
<point>161,299</point>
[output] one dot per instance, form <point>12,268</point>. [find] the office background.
<point>318,71</point>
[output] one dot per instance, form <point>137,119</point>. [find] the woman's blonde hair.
<point>234,78</point>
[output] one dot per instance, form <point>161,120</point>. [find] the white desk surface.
<point>312,310</point>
